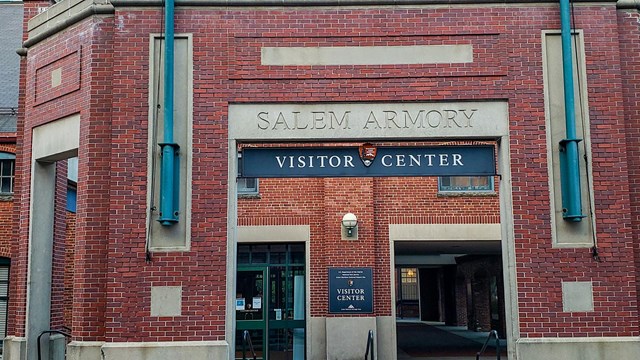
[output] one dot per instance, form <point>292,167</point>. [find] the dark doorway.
<point>460,300</point>
<point>271,300</point>
<point>430,295</point>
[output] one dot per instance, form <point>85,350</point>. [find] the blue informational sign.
<point>383,161</point>
<point>350,291</point>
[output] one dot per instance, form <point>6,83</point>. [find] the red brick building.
<point>164,271</point>
<point>10,40</point>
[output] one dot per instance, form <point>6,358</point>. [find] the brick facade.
<point>6,213</point>
<point>105,61</point>
<point>476,273</point>
<point>629,25</point>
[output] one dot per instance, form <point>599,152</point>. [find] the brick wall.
<point>6,227</point>
<point>377,202</point>
<point>69,249</point>
<point>17,285</point>
<point>629,27</point>
<point>462,311</point>
<point>478,271</point>
<point>59,247</point>
<point>92,100</point>
<point>540,267</point>
<point>112,181</point>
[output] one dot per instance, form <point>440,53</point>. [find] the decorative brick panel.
<point>58,78</point>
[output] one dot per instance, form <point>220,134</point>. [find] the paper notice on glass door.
<point>257,303</point>
<point>239,304</point>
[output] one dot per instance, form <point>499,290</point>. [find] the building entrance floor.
<point>425,340</point>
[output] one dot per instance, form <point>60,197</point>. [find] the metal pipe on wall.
<point>569,155</point>
<point>170,169</point>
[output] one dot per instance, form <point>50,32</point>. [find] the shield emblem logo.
<point>368,153</point>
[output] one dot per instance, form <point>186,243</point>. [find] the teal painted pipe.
<point>570,170</point>
<point>169,149</point>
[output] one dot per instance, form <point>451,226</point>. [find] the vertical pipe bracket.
<point>568,146</point>
<point>170,179</point>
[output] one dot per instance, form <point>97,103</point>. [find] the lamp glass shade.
<point>349,220</point>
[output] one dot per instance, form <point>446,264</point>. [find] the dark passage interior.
<point>449,297</point>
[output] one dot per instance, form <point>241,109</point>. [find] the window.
<point>409,279</point>
<point>7,172</point>
<point>4,296</point>
<point>72,184</point>
<point>465,183</point>
<point>72,198</point>
<point>246,185</point>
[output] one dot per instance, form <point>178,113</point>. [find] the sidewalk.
<point>424,341</point>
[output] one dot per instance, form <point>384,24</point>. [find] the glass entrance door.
<point>286,313</point>
<point>270,300</point>
<point>250,312</point>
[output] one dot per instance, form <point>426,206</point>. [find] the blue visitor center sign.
<point>368,161</point>
<point>350,290</point>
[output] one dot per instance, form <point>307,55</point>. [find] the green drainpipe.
<point>569,156</point>
<point>170,166</point>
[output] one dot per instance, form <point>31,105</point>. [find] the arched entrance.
<point>359,123</point>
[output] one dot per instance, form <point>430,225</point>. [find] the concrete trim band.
<point>106,9</point>
<point>71,20</point>
<point>285,3</point>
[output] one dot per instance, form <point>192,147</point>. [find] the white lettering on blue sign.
<point>399,160</point>
<point>391,161</point>
<point>322,161</point>
<point>350,294</point>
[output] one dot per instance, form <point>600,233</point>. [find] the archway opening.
<point>449,297</point>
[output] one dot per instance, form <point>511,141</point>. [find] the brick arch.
<point>11,149</point>
<point>5,249</point>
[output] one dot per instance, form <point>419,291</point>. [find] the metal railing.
<point>492,333</point>
<point>49,332</point>
<point>8,111</point>
<point>370,347</point>
<point>246,341</point>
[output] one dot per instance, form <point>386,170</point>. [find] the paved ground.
<point>426,341</point>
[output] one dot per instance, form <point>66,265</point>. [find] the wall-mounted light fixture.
<point>350,224</point>
<point>411,273</point>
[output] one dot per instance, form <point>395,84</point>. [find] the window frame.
<point>409,283</point>
<point>489,190</point>
<point>241,182</point>
<point>11,158</point>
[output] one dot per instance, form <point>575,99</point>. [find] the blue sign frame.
<point>350,290</point>
<point>389,161</point>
